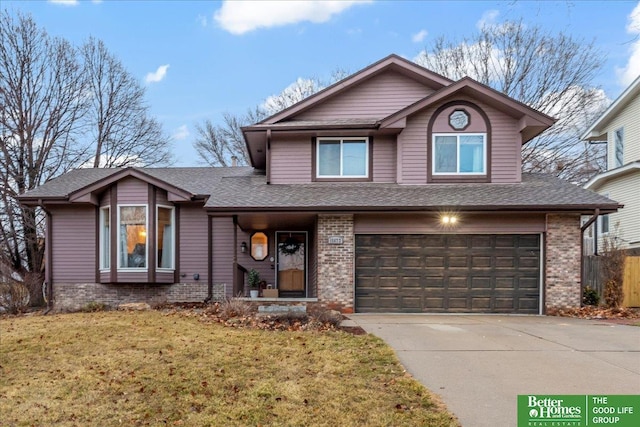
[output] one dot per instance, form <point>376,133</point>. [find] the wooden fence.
<point>593,278</point>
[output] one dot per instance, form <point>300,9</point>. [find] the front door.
<point>291,263</point>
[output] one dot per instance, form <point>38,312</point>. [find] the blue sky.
<point>201,58</point>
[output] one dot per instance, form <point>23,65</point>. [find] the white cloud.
<point>158,75</point>
<point>487,19</point>
<point>631,71</point>
<point>65,2</point>
<point>419,36</point>
<point>202,20</point>
<point>239,17</point>
<point>181,133</point>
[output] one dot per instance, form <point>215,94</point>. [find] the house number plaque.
<point>336,240</point>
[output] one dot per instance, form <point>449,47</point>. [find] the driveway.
<point>478,364</point>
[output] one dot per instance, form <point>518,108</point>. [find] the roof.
<point>598,180</point>
<point>237,189</point>
<point>596,131</point>
<point>536,192</point>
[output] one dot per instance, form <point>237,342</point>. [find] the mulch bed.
<point>623,316</point>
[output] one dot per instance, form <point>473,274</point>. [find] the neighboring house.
<point>393,190</point>
<point>619,128</point>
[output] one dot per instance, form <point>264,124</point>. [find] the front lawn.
<point>154,368</point>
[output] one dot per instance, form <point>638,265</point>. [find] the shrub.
<point>93,306</point>
<point>590,296</point>
<point>14,297</point>
<point>234,307</point>
<point>613,270</point>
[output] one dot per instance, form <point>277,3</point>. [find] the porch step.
<point>282,309</point>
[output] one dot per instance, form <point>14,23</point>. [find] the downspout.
<point>48,267</point>
<point>209,260</point>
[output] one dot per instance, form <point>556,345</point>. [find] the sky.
<point>199,59</point>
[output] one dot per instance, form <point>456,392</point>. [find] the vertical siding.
<point>222,251</point>
<point>73,245</point>
<point>428,223</point>
<point>384,159</point>
<point>626,190</point>
<point>628,118</point>
<point>132,191</point>
<point>193,243</point>
<point>290,161</point>
<point>376,97</point>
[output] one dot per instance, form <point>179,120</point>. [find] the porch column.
<point>562,261</point>
<point>335,262</point>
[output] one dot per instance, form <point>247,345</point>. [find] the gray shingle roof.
<point>242,188</point>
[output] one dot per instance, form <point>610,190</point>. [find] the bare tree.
<point>549,72</point>
<point>41,103</point>
<point>122,131</point>
<point>218,143</point>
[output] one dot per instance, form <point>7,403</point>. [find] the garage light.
<point>449,219</point>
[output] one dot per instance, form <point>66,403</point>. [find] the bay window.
<point>342,158</point>
<point>459,154</point>
<point>165,237</point>
<point>132,251</point>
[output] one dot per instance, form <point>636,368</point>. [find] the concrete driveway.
<point>478,364</point>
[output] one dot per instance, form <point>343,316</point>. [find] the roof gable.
<point>597,132</point>
<point>532,122</point>
<point>395,63</point>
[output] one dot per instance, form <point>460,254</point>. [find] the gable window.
<point>132,237</point>
<point>342,158</point>
<point>619,147</point>
<point>459,154</point>
<point>105,239</point>
<point>165,237</point>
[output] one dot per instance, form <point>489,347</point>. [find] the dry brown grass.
<point>150,368</point>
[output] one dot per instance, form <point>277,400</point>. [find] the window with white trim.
<point>165,237</point>
<point>342,158</point>
<point>132,237</point>
<point>619,147</point>
<point>459,154</point>
<point>105,238</point>
<point>604,224</point>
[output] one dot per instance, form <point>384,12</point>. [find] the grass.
<point>150,368</point>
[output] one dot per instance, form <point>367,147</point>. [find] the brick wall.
<point>335,262</point>
<point>74,296</point>
<point>562,260</point>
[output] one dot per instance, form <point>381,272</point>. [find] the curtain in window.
<point>471,153</point>
<point>329,159</point>
<point>354,157</point>
<point>445,154</point>
<point>167,248</point>
<point>124,256</point>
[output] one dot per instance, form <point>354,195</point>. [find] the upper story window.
<point>342,158</point>
<point>604,224</point>
<point>105,238</point>
<point>459,154</point>
<point>619,147</point>
<point>132,237</point>
<point>165,237</point>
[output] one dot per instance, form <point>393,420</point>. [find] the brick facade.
<point>562,261</point>
<point>335,262</point>
<point>74,296</point>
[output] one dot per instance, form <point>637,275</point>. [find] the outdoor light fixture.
<point>243,247</point>
<point>449,219</point>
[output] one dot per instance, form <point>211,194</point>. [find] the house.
<point>393,190</point>
<point>619,128</point>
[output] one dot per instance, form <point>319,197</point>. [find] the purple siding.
<point>291,160</point>
<point>428,223</point>
<point>265,268</point>
<point>132,191</point>
<point>222,252</point>
<point>412,153</point>
<point>384,159</point>
<point>161,198</point>
<point>193,243</point>
<point>73,246</point>
<point>376,97</point>
<point>105,198</point>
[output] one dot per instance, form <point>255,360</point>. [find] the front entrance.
<point>291,263</point>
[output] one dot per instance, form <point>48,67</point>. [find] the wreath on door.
<point>289,246</point>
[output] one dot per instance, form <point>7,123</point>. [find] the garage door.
<point>448,273</point>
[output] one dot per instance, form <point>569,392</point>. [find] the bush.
<point>14,297</point>
<point>234,307</point>
<point>93,306</point>
<point>590,296</point>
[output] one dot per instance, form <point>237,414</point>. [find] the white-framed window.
<point>604,224</point>
<point>459,154</point>
<point>105,238</point>
<point>132,237</point>
<point>618,137</point>
<point>342,158</point>
<point>165,237</point>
